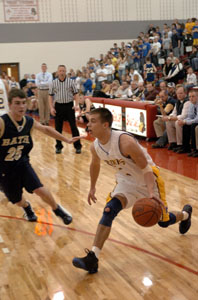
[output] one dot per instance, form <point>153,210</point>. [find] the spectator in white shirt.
<point>78,79</point>
<point>101,75</point>
<point>180,112</point>
<point>191,80</point>
<point>155,50</point>
<point>111,70</point>
<point>133,90</point>
<point>133,73</point>
<point>43,82</point>
<point>123,90</point>
<point>166,44</point>
<point>169,32</point>
<point>13,84</point>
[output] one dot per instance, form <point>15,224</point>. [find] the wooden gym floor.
<point>136,263</point>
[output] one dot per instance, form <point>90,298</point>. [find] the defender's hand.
<point>76,138</point>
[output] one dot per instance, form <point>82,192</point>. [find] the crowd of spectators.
<point>160,65</point>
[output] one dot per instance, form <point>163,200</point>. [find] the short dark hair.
<point>193,91</point>
<point>61,66</point>
<point>16,93</point>
<point>105,115</point>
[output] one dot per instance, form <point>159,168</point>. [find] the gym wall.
<point>70,31</point>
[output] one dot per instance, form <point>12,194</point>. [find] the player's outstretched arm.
<point>94,173</point>
<point>55,134</point>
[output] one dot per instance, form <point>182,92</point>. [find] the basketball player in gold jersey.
<point>137,177</point>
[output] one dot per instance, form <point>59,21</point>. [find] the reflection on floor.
<point>178,163</point>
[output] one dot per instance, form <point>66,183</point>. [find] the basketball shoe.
<point>63,214</point>
<point>29,213</point>
<point>184,226</point>
<point>88,263</point>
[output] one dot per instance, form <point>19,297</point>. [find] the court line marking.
<point>172,262</point>
<point>5,250</point>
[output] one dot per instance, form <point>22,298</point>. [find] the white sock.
<point>185,215</point>
<point>96,250</point>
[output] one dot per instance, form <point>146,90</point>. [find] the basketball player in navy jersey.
<point>149,71</point>
<point>16,171</point>
<point>137,177</point>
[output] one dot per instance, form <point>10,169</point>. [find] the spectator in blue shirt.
<point>87,85</point>
<point>136,58</point>
<point>195,34</point>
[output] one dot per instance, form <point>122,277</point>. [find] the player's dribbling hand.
<point>91,196</point>
<point>158,200</point>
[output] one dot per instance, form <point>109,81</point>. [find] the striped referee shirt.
<point>63,91</point>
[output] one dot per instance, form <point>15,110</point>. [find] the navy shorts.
<point>23,176</point>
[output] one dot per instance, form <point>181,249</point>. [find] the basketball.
<point>146,212</point>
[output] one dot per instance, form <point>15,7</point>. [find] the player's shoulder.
<point>28,118</point>
<point>128,143</point>
<point>127,137</point>
<point>93,145</point>
<point>5,119</point>
<point>1,120</point>
<point>93,148</point>
<point>29,121</point>
<point>4,116</point>
<point>2,125</point>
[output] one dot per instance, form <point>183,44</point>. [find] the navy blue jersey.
<point>150,76</point>
<point>15,142</point>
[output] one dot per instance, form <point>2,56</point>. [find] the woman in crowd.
<point>121,65</point>
<point>167,66</point>
<point>176,73</point>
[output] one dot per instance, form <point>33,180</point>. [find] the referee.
<point>62,91</point>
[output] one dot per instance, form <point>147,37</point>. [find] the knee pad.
<point>171,221</point>
<point>114,206</point>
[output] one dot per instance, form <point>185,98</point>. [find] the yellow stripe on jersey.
<point>108,198</point>
<point>109,195</point>
<point>161,188</point>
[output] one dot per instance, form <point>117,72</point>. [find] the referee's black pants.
<point>189,134</point>
<point>65,112</point>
